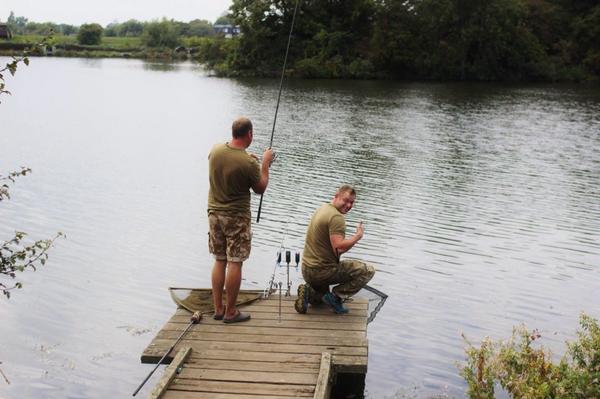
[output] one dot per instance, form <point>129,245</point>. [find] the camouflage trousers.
<point>350,274</point>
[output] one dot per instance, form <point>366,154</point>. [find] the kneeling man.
<point>321,266</point>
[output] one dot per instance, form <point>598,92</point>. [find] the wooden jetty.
<point>274,355</point>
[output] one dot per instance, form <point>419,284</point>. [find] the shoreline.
<point>182,53</point>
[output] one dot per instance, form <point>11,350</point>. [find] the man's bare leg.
<point>218,282</point>
<point>233,281</point>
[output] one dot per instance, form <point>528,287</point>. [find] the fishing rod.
<point>195,319</point>
<point>287,50</point>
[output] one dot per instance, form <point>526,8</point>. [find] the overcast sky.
<point>77,12</point>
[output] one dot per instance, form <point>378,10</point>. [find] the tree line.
<point>418,39</point>
<point>159,33</point>
<point>477,40</point>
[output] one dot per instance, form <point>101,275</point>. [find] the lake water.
<point>481,203</point>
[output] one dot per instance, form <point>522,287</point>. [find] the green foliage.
<point>12,66</point>
<point>16,24</point>
<point>224,20</point>
<point>164,33</point>
<point>218,53</point>
<point>332,34</point>
<point>15,256</point>
<point>90,34</point>
<point>4,188</point>
<point>131,28</point>
<point>65,29</point>
<point>526,371</point>
<point>199,28</point>
<point>425,39</point>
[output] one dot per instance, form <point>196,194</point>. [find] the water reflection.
<point>481,205</point>
<point>162,66</point>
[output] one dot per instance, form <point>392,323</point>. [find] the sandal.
<point>219,316</point>
<point>239,317</point>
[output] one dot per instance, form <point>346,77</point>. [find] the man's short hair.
<point>241,126</point>
<point>346,188</point>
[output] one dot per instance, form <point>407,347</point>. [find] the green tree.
<point>11,19</point>
<point>393,44</point>
<point>90,34</point>
<point>162,33</point>
<point>586,31</point>
<point>200,28</point>
<point>131,27</point>
<point>67,29</point>
<point>328,36</point>
<point>422,39</point>
<point>112,29</point>
<point>224,20</point>
<point>474,40</point>
<point>16,24</point>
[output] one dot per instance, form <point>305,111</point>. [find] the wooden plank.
<point>247,328</point>
<point>323,387</point>
<point>249,376</point>
<point>251,366</point>
<point>183,316</point>
<point>295,324</point>
<point>164,345</point>
<point>242,388</point>
<point>170,373</point>
<point>172,394</point>
<point>153,357</point>
<point>266,339</point>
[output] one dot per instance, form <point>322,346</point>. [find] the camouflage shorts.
<point>229,236</point>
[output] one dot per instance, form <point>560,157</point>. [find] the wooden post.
<point>323,388</point>
<point>170,373</point>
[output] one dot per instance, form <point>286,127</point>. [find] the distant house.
<point>5,33</point>
<point>227,30</point>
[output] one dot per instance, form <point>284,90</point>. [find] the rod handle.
<point>259,208</point>
<point>196,317</point>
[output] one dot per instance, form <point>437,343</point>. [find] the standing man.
<point>321,266</point>
<point>232,172</point>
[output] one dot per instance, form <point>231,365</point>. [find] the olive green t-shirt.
<point>326,220</point>
<point>231,174</point>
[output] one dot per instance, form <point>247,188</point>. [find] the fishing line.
<point>287,50</point>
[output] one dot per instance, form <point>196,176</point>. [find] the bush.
<point>161,34</point>
<point>90,34</point>
<point>528,372</point>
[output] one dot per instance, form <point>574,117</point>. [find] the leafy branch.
<point>4,194</point>
<point>12,65</point>
<point>15,256</point>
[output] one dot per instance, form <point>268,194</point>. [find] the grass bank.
<point>67,46</point>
